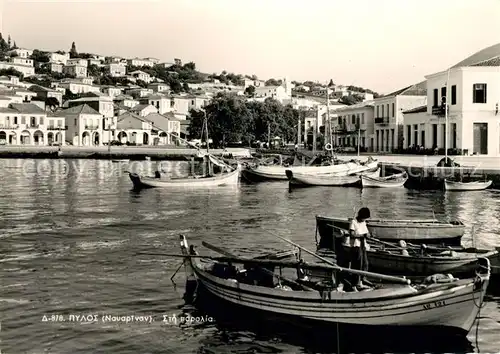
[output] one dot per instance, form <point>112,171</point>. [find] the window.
<point>340,120</point>
<point>41,120</point>
<point>353,119</point>
<point>435,98</point>
<point>443,95</point>
<point>454,94</point>
<point>51,123</point>
<point>387,110</point>
<point>75,123</point>
<point>59,123</point>
<point>479,93</point>
<point>382,110</point>
<point>378,112</point>
<point>362,118</point>
<point>23,120</point>
<point>392,110</point>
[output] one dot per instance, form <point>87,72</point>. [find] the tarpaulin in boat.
<point>217,162</point>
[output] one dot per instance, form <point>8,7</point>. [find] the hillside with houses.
<point>58,98</point>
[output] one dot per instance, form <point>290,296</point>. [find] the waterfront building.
<point>354,124</point>
<point>389,117</point>
<point>165,128</point>
<point>134,129</point>
<point>99,102</point>
<point>473,110</point>
<point>84,125</point>
<point>28,124</point>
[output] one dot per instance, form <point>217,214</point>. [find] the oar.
<point>353,271</point>
<point>229,254</point>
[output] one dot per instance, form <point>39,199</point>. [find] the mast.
<point>446,120</point>
<point>109,136</point>
<point>268,135</point>
<point>359,137</point>
<point>206,128</point>
<point>328,113</point>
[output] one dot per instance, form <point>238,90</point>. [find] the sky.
<point>383,45</point>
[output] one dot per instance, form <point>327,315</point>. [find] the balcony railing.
<point>8,126</point>
<point>58,128</point>
<point>92,127</point>
<point>439,111</point>
<point>382,120</point>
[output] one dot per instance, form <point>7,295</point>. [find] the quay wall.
<point>424,173</point>
<point>116,152</point>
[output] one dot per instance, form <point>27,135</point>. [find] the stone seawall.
<point>116,152</point>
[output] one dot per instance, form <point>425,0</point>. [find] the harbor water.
<point>73,281</point>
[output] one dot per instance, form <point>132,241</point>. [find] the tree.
<point>52,103</point>
<point>330,84</point>
<point>350,100</point>
<point>185,87</point>
<point>190,66</point>
<point>9,42</point>
<point>273,82</point>
<point>93,70</point>
<point>11,72</point>
<point>73,53</point>
<point>39,56</point>
<point>4,47</point>
<point>250,91</point>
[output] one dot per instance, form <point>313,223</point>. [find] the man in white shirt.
<point>358,232</point>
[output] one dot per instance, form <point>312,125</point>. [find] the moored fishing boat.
<point>451,306</point>
<point>328,179</point>
<point>393,181</point>
<point>413,231</point>
<point>466,186</point>
<point>410,260</point>
<point>278,172</point>
<point>120,160</point>
<point>223,179</point>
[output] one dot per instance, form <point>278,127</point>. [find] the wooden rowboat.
<point>225,179</point>
<point>328,179</point>
<point>393,181</point>
<point>277,172</point>
<point>395,260</point>
<point>466,186</point>
<point>121,160</point>
<point>412,231</point>
<point>451,306</point>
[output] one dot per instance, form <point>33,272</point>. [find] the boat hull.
<point>452,306</point>
<point>373,182</point>
<point>467,186</point>
<point>328,179</point>
<point>394,230</point>
<point>398,264</point>
<point>279,172</point>
<point>227,179</point>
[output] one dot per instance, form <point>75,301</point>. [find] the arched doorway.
<point>59,138</point>
<point>163,138</point>
<point>3,137</point>
<point>122,137</point>
<point>50,138</point>
<point>85,139</point>
<point>95,138</point>
<point>25,137</point>
<point>12,138</point>
<point>145,139</point>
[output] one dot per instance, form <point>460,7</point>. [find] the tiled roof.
<point>92,99</point>
<point>416,110</point>
<point>355,106</point>
<point>130,114</point>
<point>122,97</point>
<point>490,62</point>
<point>28,108</point>
<point>419,89</point>
<point>120,106</point>
<point>155,97</point>
<point>481,56</point>
<point>7,110</point>
<point>80,109</point>
<point>140,107</point>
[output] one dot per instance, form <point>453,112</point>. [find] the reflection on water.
<point>71,231</point>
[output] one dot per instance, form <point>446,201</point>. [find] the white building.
<point>473,107</point>
<point>22,61</point>
<point>28,124</point>
<point>59,58</point>
<point>85,125</point>
<point>75,70</point>
<point>140,62</point>
<point>26,70</point>
<point>77,61</point>
<point>75,86</point>
<point>352,122</point>
<point>159,87</point>
<point>116,69</point>
<point>21,52</point>
<point>141,75</point>
<point>389,115</point>
<point>131,128</point>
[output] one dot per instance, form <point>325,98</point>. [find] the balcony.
<point>58,128</point>
<point>10,127</point>
<point>439,111</point>
<point>382,120</point>
<point>91,127</point>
